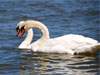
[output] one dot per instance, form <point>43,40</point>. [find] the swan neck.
<point>45,32</point>
<point>42,27</point>
<point>29,36</point>
<point>27,40</point>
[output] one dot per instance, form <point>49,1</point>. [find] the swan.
<point>71,43</point>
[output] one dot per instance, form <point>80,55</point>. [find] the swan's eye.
<point>17,28</point>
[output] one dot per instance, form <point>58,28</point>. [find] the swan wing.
<point>71,44</point>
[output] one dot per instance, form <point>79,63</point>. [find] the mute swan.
<point>71,43</point>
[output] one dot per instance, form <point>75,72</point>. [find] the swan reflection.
<point>61,64</point>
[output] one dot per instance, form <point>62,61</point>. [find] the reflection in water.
<point>57,64</point>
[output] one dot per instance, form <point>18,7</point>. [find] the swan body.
<point>70,43</point>
<point>66,44</point>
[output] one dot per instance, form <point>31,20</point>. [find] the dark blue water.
<point>61,17</point>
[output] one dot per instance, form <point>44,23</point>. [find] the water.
<point>61,17</point>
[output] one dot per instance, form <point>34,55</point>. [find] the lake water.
<point>62,17</point>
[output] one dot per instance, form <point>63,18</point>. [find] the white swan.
<point>71,43</point>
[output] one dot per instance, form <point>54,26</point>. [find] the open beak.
<point>20,32</point>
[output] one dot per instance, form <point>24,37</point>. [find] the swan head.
<point>20,29</point>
